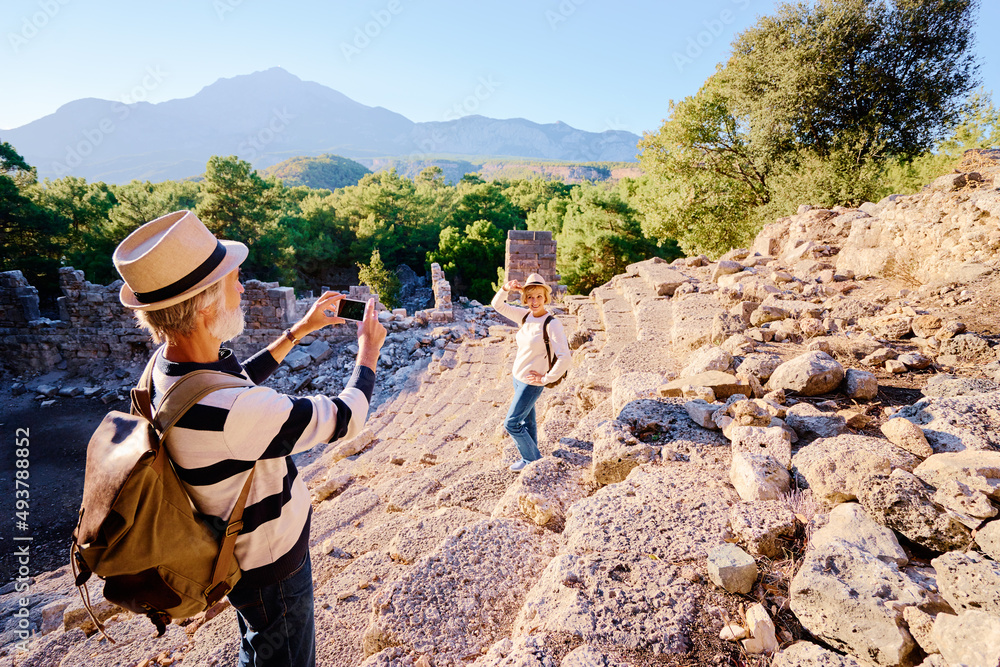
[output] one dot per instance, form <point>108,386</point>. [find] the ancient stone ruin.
<point>530,252</point>
<point>785,456</point>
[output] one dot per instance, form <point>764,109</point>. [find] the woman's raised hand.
<point>512,286</point>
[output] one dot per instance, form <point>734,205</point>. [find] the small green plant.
<point>381,280</point>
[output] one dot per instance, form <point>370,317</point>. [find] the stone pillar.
<point>530,252</point>
<point>442,295</point>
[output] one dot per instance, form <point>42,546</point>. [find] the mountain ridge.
<point>269,116</point>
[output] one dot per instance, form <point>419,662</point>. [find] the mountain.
<point>270,116</point>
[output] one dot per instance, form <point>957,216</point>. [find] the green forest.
<point>810,108</point>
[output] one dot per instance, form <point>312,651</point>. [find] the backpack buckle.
<point>234,528</point>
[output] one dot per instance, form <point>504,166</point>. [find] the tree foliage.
<point>239,205</point>
<point>381,280</point>
<point>814,102</point>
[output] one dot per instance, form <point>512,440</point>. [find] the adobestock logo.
<point>713,29</point>
<point>31,26</point>
<point>562,13</point>
<point>93,137</point>
<point>249,149</point>
<point>363,35</point>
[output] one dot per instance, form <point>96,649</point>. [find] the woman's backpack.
<point>138,530</point>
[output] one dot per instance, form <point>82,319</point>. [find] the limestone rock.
<point>476,578</point>
<point>901,501</point>
<point>739,344</point>
<point>765,527</point>
<point>891,327</point>
<point>760,365</point>
<point>762,628</point>
<point>725,326</point>
<point>921,626</point>
<point>731,568</point>
<point>969,581</point>
<point>725,268</point>
<point>809,421</point>
<point>977,469</point>
<point>966,501</point>
<point>758,476</point>
<point>853,601</point>
<point>914,360</point>
<point>988,539</point>
<point>849,523</point>
<point>907,435</point>
<point>968,347</point>
<point>860,385</point>
<point>616,452</point>
<point>948,386</point>
<point>543,491</point>
<point>836,468</point>
<point>807,654</point>
<point>774,442</point>
<point>895,367</point>
<point>972,638</point>
<point>708,359</point>
<point>764,314</point>
<point>722,384</point>
<point>353,446</point>
<point>809,374</point>
<point>958,423</point>
<point>674,511</point>
<point>628,387</point>
<point>701,413</point>
<point>588,595</point>
<point>926,326</point>
<point>424,536</point>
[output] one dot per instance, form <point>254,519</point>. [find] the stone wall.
<point>530,252</point>
<point>93,325</point>
<point>442,295</point>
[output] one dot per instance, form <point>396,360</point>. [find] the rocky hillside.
<point>788,456</point>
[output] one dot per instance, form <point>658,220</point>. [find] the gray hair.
<point>179,319</point>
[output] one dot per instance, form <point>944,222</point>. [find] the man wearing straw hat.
<point>184,287</point>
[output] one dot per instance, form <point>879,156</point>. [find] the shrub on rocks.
<point>809,374</point>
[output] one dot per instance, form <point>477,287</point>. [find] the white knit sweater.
<point>531,344</point>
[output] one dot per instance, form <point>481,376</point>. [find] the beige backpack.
<point>138,530</point>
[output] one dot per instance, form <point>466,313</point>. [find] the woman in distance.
<point>534,365</point>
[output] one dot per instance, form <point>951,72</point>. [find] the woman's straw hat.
<point>171,259</point>
<point>535,280</point>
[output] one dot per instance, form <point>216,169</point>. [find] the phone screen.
<point>352,310</point>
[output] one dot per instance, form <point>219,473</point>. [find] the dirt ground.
<point>58,437</point>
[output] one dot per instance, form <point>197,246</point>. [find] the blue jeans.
<point>520,421</point>
<point>276,621</point>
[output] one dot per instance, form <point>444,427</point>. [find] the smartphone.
<point>351,309</point>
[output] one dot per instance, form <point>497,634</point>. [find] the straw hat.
<point>171,259</point>
<point>535,280</point>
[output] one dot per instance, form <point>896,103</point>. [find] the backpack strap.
<point>545,336</point>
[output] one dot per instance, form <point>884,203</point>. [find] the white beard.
<point>227,325</point>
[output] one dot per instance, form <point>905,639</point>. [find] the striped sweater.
<point>216,443</point>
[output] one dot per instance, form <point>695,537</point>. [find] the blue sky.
<point>593,64</point>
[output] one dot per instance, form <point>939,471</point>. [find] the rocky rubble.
<point>789,452</point>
